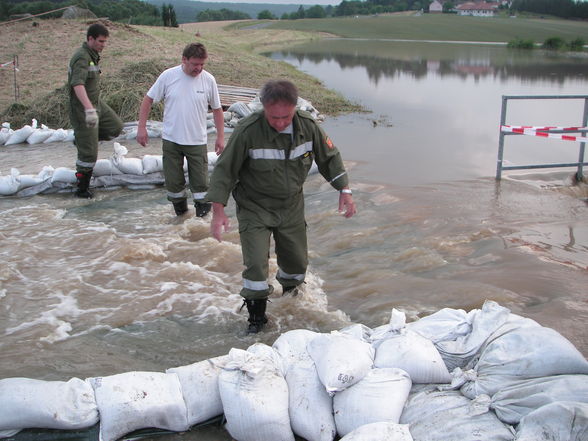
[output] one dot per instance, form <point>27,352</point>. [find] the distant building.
<point>481,9</point>
<point>436,6</point>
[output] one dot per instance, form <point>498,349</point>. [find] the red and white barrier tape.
<point>536,132</point>
<point>546,128</point>
<point>7,64</point>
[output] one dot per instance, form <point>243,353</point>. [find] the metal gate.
<point>546,132</point>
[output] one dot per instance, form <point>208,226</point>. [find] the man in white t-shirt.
<point>187,91</point>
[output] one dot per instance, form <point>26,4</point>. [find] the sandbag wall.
<point>511,379</point>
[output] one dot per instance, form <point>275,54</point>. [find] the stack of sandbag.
<point>32,134</point>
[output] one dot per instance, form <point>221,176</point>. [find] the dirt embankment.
<point>132,60</point>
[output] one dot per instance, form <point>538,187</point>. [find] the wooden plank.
<point>232,94</point>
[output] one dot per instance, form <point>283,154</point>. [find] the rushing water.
<point>117,283</point>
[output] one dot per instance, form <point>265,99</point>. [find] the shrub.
<point>554,43</point>
<point>519,43</point>
<point>577,44</point>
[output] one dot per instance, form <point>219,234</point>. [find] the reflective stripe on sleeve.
<point>337,177</point>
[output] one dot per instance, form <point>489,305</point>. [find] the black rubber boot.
<point>83,185</point>
<point>180,207</point>
<point>202,208</point>
<point>257,317</point>
<point>291,290</point>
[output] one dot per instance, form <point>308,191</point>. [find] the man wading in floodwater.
<point>92,120</point>
<point>265,164</point>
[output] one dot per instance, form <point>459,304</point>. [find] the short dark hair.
<point>96,30</point>
<point>278,91</point>
<point>195,50</point>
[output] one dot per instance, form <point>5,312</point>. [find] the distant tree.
<point>168,16</point>
<point>221,15</point>
<point>301,13</point>
<point>448,7</point>
<point>316,11</point>
<point>266,14</point>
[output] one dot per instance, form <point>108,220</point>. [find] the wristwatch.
<point>346,191</point>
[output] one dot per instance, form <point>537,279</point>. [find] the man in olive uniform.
<point>265,164</point>
<point>92,120</point>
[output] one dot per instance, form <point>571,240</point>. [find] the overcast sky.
<point>284,2</point>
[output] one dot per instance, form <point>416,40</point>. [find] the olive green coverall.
<point>266,171</point>
<point>84,69</point>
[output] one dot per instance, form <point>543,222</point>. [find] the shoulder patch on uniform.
<point>329,143</point>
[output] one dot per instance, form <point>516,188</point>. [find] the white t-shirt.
<point>186,101</point>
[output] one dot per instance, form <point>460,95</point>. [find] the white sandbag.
<point>136,400</point>
<point>291,345</point>
<point>9,184</point>
<point>69,135</point>
<point>28,403</point>
<point>255,398</point>
<point>381,431</point>
<point>447,324</point>
<point>359,331</point>
<point>240,108</point>
<point>19,136</point>
<point>341,360</point>
<point>132,166</point>
<point>435,415</point>
<point>212,158</point>
<point>515,401</point>
<point>58,135</point>
<point>64,174</point>
<point>524,353</point>
<point>5,133</point>
<point>561,421</point>
<point>379,396</point>
<point>152,164</point>
<point>105,167</point>
<point>310,406</point>
<point>40,135</point>
<point>398,347</point>
<point>26,181</point>
<point>199,383</point>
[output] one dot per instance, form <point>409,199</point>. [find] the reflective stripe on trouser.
<point>291,250</point>
<point>173,170</point>
<point>86,139</point>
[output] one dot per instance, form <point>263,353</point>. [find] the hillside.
<point>133,58</point>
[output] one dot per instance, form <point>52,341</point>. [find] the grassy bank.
<point>131,62</point>
<point>445,27</point>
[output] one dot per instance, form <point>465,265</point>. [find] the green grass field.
<point>448,27</point>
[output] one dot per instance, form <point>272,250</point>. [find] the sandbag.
<point>398,347</point>
<point>199,382</point>
<point>523,353</point>
<point>19,136</point>
<point>310,406</point>
<point>40,135</point>
<point>64,174</point>
<point>152,164</point>
<point>5,132</point>
<point>240,108</point>
<point>517,400</point>
<point>9,184</point>
<point>105,167</point>
<point>28,403</point>
<point>381,431</point>
<point>379,396</point>
<point>435,415</point>
<point>561,421</point>
<point>341,360</point>
<point>133,166</point>
<point>136,400</point>
<point>255,398</point>
<point>58,135</point>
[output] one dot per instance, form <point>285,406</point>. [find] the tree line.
<point>128,11</point>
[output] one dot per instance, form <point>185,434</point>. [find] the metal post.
<point>501,139</point>
<point>14,70</point>
<point>580,173</point>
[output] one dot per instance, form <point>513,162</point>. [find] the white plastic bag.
<point>379,396</point>
<point>255,398</point>
<point>561,421</point>
<point>136,400</point>
<point>435,415</point>
<point>199,383</point>
<point>381,431</point>
<point>28,403</point>
<point>341,360</point>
